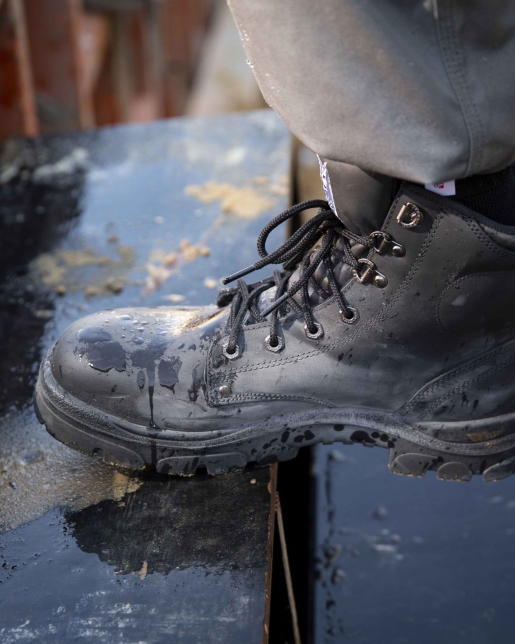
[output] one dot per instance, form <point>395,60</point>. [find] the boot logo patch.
<point>326,182</point>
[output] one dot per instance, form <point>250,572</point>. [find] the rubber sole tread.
<point>405,458</point>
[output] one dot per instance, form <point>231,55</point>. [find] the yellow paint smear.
<point>245,202</point>
<point>161,265</point>
<point>144,570</point>
<point>61,270</point>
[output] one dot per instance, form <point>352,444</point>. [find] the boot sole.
<point>411,451</point>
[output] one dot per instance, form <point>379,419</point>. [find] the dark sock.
<point>492,195</point>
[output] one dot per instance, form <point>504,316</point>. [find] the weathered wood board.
<point>134,215</point>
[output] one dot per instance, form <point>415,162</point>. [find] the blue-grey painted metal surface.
<point>402,560</point>
<point>148,214</point>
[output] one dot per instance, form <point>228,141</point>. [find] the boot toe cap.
<point>109,360</point>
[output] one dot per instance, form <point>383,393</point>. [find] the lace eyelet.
<point>278,347</point>
<point>233,355</point>
<point>386,245</point>
<point>314,336</point>
<point>353,319</point>
<point>370,274</point>
<point>410,216</point>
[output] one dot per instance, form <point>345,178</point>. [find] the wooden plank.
<point>402,559</point>
<point>131,87</point>
<point>272,488</point>
<point>87,222</point>
<point>176,49</point>
<point>95,36</point>
<point>144,48</point>
<point>183,25</point>
<point>223,80</point>
<point>55,29</point>
<point>287,572</point>
<point>17,106</point>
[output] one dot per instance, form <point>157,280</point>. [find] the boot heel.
<point>409,459</point>
<point>406,458</point>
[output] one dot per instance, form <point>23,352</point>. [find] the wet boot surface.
<point>123,217</point>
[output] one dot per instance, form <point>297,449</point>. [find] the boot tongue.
<point>360,199</point>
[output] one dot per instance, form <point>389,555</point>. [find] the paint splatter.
<point>244,202</point>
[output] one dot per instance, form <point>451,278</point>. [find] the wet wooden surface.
<point>402,559</point>
<point>121,217</point>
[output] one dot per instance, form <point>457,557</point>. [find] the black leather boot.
<point>397,330</point>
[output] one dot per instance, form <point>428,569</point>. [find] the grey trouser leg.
<point>422,90</point>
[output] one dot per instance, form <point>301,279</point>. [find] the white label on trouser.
<point>326,182</point>
<point>446,189</point>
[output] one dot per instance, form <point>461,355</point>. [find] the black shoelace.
<point>325,227</point>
